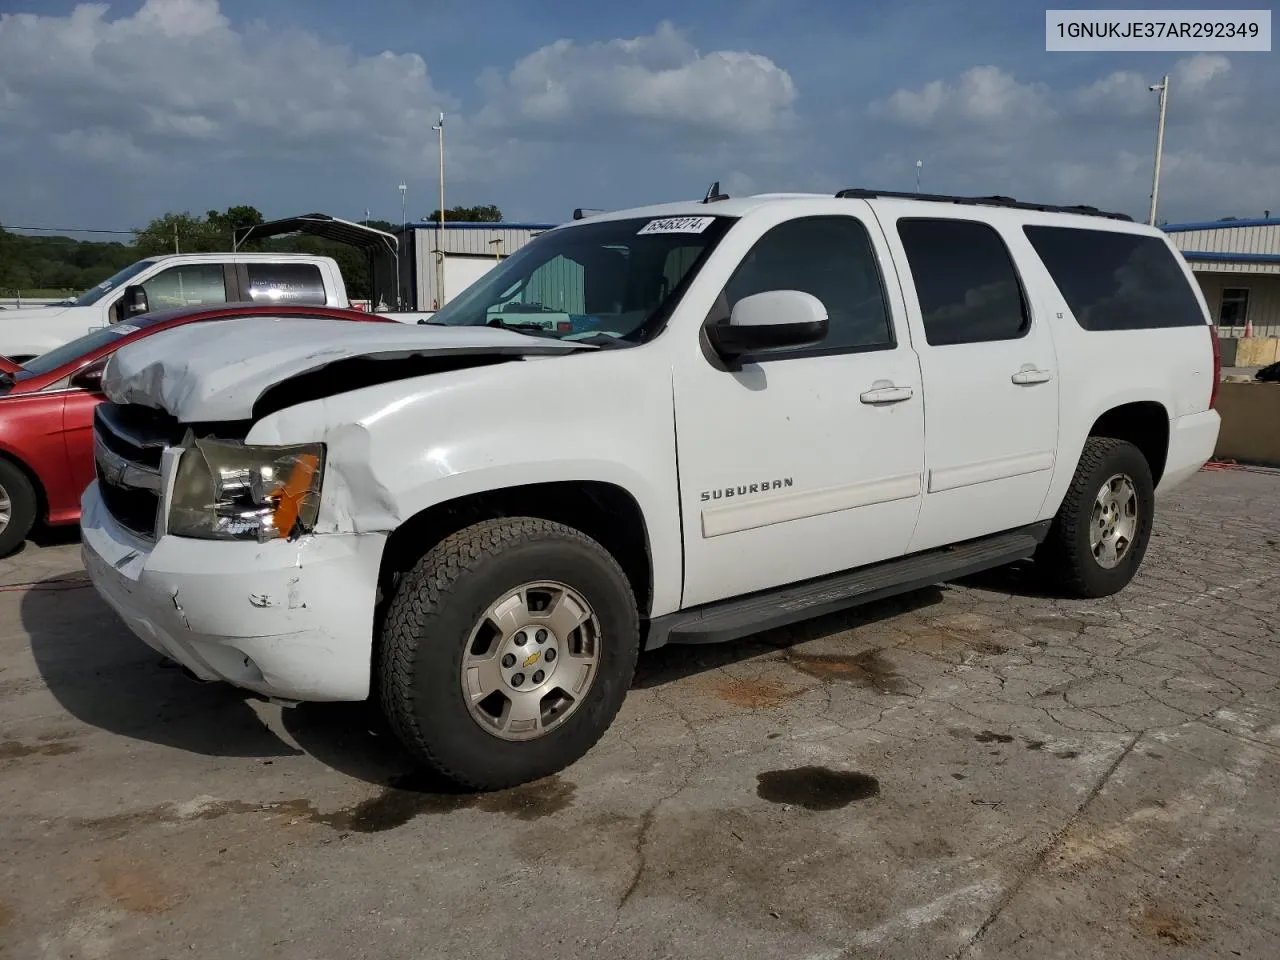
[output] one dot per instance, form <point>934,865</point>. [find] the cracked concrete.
<point>971,771</point>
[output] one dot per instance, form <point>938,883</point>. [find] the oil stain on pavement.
<point>816,788</point>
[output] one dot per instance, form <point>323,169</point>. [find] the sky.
<point>113,113</point>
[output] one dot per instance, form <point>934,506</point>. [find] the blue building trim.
<point>1232,257</point>
<point>1219,225</point>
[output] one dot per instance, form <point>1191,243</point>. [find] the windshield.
<point>617,278</point>
<point>80,347</point>
<point>94,294</point>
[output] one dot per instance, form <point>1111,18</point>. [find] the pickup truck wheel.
<point>507,651</point>
<point>1100,535</point>
<point>17,507</point>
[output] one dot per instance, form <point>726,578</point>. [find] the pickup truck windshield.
<point>616,278</point>
<point>94,294</point>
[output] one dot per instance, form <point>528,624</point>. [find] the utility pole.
<point>919,167</point>
<point>404,224</point>
<point>439,128</point>
<point>1163,89</point>
<point>175,238</point>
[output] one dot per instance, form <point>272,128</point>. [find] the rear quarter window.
<point>285,283</point>
<point>1117,281</point>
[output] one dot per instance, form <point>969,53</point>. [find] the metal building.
<point>457,256</point>
<point>1238,265</point>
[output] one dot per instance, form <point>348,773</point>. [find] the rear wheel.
<point>507,651</point>
<point>1100,535</point>
<point>17,507</point>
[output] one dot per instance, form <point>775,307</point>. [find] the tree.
<point>487,213</point>
<point>235,218</point>
<point>180,233</point>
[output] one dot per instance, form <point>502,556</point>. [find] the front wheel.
<point>18,507</point>
<point>1101,531</point>
<point>507,651</point>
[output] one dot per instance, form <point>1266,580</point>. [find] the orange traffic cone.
<point>1248,329</point>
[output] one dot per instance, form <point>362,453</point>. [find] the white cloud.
<point>659,78</point>
<point>987,132</point>
<point>176,97</point>
<point>176,75</point>
<point>1198,72</point>
<point>983,95</point>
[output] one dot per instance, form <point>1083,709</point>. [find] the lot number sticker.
<point>677,225</point>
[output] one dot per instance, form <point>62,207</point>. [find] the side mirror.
<point>134,302</point>
<point>90,378</point>
<point>768,321</point>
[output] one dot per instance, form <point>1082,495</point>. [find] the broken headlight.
<point>234,491</point>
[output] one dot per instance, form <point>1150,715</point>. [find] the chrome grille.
<point>127,448</point>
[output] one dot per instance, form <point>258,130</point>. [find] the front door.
<point>990,375</point>
<point>808,460</point>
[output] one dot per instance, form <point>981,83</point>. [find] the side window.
<point>189,285</point>
<point>831,258</point>
<point>1235,307</point>
<point>965,281</point>
<point>285,282</point>
<point>1113,280</point>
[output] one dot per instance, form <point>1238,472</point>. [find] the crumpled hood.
<point>206,372</point>
<point>29,314</point>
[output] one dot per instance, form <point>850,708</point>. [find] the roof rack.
<point>862,193</point>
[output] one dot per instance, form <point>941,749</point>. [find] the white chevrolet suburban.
<point>746,412</point>
<point>174,280</point>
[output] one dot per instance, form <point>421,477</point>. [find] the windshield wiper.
<point>602,340</point>
<point>521,327</point>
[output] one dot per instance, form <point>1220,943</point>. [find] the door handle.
<point>1029,374</point>
<point>886,394</point>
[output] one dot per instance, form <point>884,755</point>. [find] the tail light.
<point>1217,366</point>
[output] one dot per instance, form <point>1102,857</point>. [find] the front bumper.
<point>292,620</point>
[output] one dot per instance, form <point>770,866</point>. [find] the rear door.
<point>990,374</point>
<point>809,460</point>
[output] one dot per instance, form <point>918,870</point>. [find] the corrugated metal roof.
<point>1243,242</point>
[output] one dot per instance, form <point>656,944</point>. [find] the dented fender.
<point>396,449</point>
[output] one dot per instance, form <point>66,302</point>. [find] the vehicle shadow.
<point>59,536</point>
<point>107,678</point>
<point>676,661</point>
<point>1020,579</point>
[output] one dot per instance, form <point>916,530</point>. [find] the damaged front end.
<point>227,490</point>
<point>201,543</point>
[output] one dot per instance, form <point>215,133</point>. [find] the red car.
<point>46,412</point>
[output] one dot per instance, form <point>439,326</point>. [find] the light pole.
<point>439,129</point>
<point>919,167</point>
<point>1163,89</point>
<point>404,230</point>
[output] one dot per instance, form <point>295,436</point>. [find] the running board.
<point>756,612</point>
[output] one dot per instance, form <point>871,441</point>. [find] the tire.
<point>18,507</point>
<point>442,612</point>
<point>1066,559</point>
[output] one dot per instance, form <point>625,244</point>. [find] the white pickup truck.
<point>176,280</point>
<point>677,424</point>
